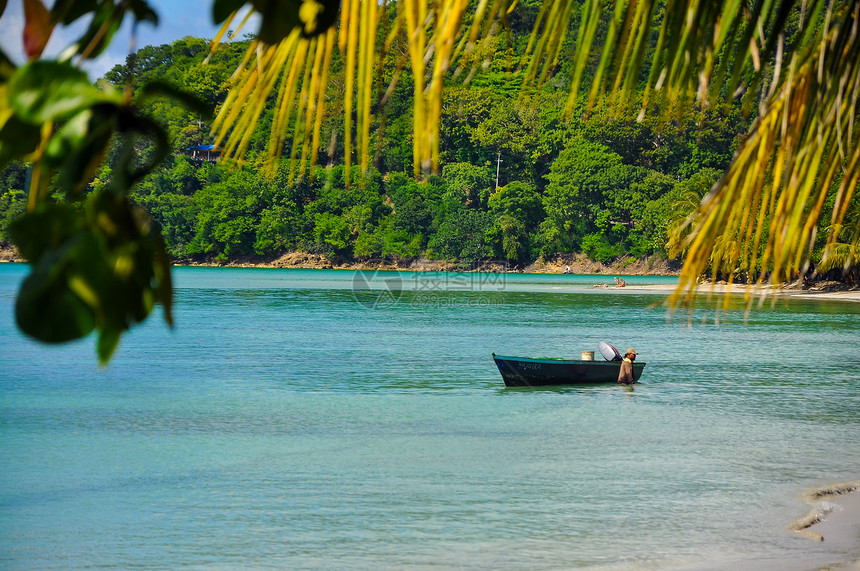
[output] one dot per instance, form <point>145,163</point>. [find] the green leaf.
<point>127,167</point>
<point>280,17</point>
<point>46,228</point>
<point>103,26</point>
<point>46,308</point>
<point>158,88</point>
<point>43,91</point>
<point>143,12</point>
<point>133,279</point>
<point>77,149</point>
<point>221,9</point>
<point>99,267</point>
<point>108,341</point>
<point>17,140</point>
<point>327,17</point>
<point>7,67</point>
<point>277,19</point>
<point>67,11</point>
<point>161,273</point>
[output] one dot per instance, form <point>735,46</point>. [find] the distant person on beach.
<point>619,282</point>
<point>625,375</point>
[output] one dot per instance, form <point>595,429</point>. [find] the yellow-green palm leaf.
<point>297,66</point>
<point>793,63</point>
<point>773,196</point>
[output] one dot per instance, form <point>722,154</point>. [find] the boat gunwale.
<point>562,361</point>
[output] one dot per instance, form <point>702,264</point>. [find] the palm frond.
<point>299,66</point>
<point>674,56</point>
<point>768,205</point>
<point>773,195</point>
<point>838,256</point>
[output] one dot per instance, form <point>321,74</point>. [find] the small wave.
<point>834,490</point>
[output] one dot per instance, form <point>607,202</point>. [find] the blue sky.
<point>177,19</point>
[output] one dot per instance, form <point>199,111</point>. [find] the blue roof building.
<point>209,153</point>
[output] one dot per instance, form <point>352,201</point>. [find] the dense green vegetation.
<point>517,180</point>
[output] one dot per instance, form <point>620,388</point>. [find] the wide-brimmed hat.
<point>631,350</point>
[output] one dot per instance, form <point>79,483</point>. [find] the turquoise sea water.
<point>314,419</point>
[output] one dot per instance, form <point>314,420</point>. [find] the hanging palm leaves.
<point>297,65</point>
<point>771,199</point>
<point>761,217</point>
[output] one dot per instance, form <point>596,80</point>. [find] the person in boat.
<point>625,375</point>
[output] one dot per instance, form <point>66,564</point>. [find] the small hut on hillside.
<point>208,153</point>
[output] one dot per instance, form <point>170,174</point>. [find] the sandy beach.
<point>826,291</point>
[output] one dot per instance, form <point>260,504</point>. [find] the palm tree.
<point>793,63</point>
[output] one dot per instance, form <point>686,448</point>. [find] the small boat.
<point>527,372</point>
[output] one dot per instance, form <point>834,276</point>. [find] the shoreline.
<point>833,291</point>
<point>578,264</point>
<point>836,509</point>
<point>834,520</point>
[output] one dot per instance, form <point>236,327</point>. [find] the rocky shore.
<point>560,264</point>
<point>10,255</point>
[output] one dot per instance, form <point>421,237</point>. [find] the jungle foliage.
<point>606,186</point>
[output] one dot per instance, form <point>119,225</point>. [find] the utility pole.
<point>498,162</point>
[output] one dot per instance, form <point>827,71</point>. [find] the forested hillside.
<point>517,180</point>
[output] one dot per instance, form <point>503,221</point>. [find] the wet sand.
<point>842,524</point>
<point>834,520</point>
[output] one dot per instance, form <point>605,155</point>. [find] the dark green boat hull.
<point>525,372</point>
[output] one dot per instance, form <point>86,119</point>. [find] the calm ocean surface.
<point>319,419</point>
